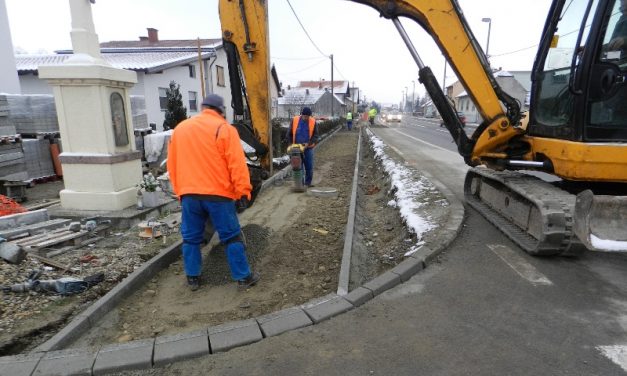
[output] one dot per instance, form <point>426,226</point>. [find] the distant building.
<point>317,95</point>
<point>156,62</point>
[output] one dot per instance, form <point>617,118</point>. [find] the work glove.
<point>242,204</point>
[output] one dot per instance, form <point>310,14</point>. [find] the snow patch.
<point>608,245</point>
<point>154,143</point>
<point>617,354</point>
<point>406,189</point>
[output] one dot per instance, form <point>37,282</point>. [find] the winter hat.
<point>215,101</point>
<point>306,111</point>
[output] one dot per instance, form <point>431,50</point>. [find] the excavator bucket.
<point>600,222</point>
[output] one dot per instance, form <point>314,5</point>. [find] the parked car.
<point>394,116</point>
<point>462,119</point>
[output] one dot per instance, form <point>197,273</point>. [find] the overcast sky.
<point>367,49</point>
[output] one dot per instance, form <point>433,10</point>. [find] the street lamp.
<point>413,95</point>
<point>405,102</point>
<point>487,47</point>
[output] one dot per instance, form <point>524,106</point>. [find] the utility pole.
<point>353,99</point>
<point>413,96</point>
<point>444,78</point>
<point>332,84</point>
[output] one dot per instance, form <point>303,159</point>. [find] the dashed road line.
<point>616,353</point>
<point>424,142</point>
<point>520,265</point>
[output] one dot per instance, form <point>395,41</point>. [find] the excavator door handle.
<point>606,78</point>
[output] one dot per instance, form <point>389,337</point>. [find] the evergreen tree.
<point>175,111</point>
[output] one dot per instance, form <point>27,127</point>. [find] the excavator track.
<point>531,212</point>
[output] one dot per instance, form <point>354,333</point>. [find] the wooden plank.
<point>35,239</point>
<point>61,239</point>
<point>73,247</point>
<point>47,261</point>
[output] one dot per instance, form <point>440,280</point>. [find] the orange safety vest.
<point>312,125</point>
<point>205,157</point>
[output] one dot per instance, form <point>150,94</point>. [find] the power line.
<point>297,58</point>
<point>322,60</point>
<point>303,27</point>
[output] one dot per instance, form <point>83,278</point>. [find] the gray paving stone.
<point>19,365</point>
<point>359,296</point>
<point>407,268</point>
<point>383,282</point>
<point>233,334</point>
<point>125,356</point>
<point>71,362</point>
<point>327,309</point>
<point>181,346</point>
<point>282,321</point>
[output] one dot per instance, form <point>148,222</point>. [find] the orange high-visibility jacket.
<point>205,157</point>
<point>312,127</point>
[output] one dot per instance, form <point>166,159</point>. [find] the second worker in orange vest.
<point>304,131</point>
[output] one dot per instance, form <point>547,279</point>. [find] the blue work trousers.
<point>308,163</point>
<point>223,216</point>
<point>349,124</point>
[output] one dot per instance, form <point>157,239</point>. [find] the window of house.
<point>192,71</point>
<point>193,106</point>
<point>220,75</point>
<point>163,98</point>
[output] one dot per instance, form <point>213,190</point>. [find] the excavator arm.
<point>537,215</point>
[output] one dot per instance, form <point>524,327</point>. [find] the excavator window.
<point>556,96</point>
<point>610,110</point>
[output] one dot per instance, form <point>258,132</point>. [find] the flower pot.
<point>150,199</point>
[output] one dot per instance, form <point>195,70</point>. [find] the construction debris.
<point>11,253</point>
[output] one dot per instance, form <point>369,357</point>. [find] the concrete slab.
<point>407,268</point>
<point>180,346</point>
<point>359,296</point>
<point>19,365</point>
<point>383,282</point>
<point>23,219</point>
<point>325,309</point>
<point>233,334</point>
<point>72,362</point>
<point>125,356</point>
<point>282,321</point>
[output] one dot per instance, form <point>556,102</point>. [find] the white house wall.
<point>31,84</point>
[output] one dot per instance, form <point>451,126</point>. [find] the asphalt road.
<point>486,308</point>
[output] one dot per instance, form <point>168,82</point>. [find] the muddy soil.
<point>294,240</point>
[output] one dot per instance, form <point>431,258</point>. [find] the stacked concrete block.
<point>30,114</point>
<point>138,111</point>
<point>12,163</point>
<point>37,158</point>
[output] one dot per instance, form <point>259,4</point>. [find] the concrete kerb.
<point>222,337</point>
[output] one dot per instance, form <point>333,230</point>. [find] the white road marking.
<point>424,142</point>
<point>519,264</point>
<point>617,354</point>
<point>396,150</point>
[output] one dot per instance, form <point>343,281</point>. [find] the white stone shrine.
<point>101,166</point>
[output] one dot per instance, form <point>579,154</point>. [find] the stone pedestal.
<point>101,167</point>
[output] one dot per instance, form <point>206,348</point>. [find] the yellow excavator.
<point>575,130</point>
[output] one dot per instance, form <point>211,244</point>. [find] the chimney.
<point>153,35</point>
<point>289,87</point>
<point>307,91</point>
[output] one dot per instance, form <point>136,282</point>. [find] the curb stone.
<point>72,362</point>
<point>226,336</point>
<point>282,321</point>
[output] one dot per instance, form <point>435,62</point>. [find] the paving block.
<point>234,334</point>
<point>12,253</point>
<point>71,362</point>
<point>282,321</point>
<point>19,365</point>
<point>407,268</point>
<point>359,296</point>
<point>181,346</point>
<point>23,219</point>
<point>125,356</point>
<point>383,282</point>
<point>327,308</point>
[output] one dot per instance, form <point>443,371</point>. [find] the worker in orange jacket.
<point>304,131</point>
<point>208,172</point>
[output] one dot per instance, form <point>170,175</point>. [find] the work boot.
<point>193,283</point>
<point>249,281</point>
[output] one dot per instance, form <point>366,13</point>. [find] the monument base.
<point>98,200</point>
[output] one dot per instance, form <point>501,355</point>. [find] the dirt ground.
<point>294,240</point>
